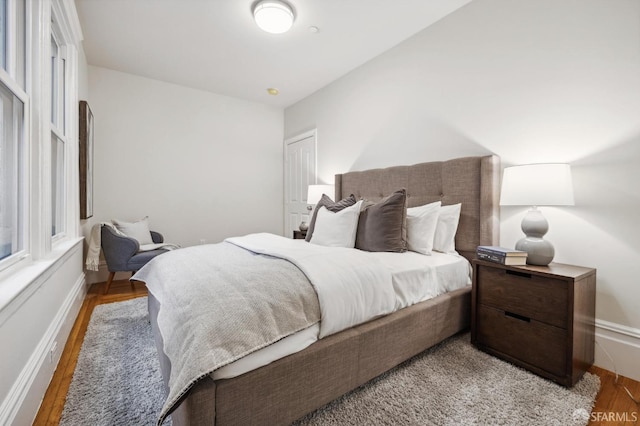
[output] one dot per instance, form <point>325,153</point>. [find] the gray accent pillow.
<point>332,206</point>
<point>382,226</point>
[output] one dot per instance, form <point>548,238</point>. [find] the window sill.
<point>18,286</point>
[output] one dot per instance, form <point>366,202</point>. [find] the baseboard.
<point>618,348</point>
<point>25,396</point>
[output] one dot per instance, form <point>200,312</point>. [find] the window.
<point>3,34</point>
<point>11,165</point>
<point>13,160</point>
<point>12,39</point>
<point>38,179</point>
<point>58,135</point>
<point>58,194</point>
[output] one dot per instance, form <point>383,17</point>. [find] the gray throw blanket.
<point>219,303</point>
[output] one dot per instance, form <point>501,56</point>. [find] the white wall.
<point>201,166</point>
<point>531,81</point>
<point>83,75</point>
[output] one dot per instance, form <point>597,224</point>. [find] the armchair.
<point>121,253</point>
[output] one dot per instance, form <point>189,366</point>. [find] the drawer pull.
<point>518,273</point>
<point>518,317</point>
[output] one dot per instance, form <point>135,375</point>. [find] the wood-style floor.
<point>613,406</point>
<point>53,402</point>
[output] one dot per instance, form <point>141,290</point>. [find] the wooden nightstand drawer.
<point>521,338</point>
<point>538,317</point>
<point>537,297</point>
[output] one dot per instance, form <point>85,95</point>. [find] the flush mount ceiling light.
<point>273,16</point>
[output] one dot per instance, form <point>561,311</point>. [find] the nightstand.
<point>299,235</point>
<point>537,317</point>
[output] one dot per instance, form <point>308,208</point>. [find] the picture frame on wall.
<point>86,160</point>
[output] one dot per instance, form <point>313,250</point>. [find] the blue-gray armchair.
<point>121,253</point>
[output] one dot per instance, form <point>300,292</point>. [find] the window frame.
<point>58,125</point>
<point>33,87</point>
<point>15,85</point>
<point>67,34</point>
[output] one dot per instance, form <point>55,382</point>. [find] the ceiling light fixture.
<point>273,16</point>
<point>273,91</point>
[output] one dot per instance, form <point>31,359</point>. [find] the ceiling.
<point>214,45</point>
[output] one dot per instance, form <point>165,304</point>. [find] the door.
<point>299,173</point>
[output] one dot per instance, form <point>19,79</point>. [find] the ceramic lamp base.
<point>539,251</point>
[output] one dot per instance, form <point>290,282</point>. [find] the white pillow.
<point>421,227</point>
<point>337,229</point>
<point>445,238</point>
<point>138,230</point>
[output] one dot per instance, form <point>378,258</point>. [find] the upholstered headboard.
<point>472,181</point>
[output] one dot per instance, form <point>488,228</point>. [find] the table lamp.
<point>536,185</point>
<point>314,194</point>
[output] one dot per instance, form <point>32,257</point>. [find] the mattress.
<point>415,277</point>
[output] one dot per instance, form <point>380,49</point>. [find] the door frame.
<point>297,138</point>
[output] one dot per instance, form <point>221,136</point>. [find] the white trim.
<point>618,328</point>
<point>620,342</point>
<point>67,15</point>
<point>10,39</point>
<point>38,213</point>
<point>67,33</point>
<point>38,362</point>
<point>72,178</point>
<point>302,136</point>
<point>13,86</point>
<point>18,287</point>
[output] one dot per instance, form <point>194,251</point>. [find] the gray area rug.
<point>453,383</point>
<point>117,382</point>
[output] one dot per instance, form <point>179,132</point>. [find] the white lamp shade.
<point>314,193</point>
<point>537,185</point>
<point>273,16</point>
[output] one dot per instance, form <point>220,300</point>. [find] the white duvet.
<point>351,288</point>
<point>414,278</point>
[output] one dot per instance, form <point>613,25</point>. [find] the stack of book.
<point>501,255</point>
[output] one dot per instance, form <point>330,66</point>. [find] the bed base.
<point>289,388</point>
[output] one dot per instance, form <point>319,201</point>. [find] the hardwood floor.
<point>613,406</point>
<point>53,402</point>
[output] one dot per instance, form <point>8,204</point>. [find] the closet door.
<point>299,173</point>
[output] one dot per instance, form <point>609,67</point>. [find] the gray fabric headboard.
<point>472,181</point>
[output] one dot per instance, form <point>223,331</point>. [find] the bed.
<point>288,388</point>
